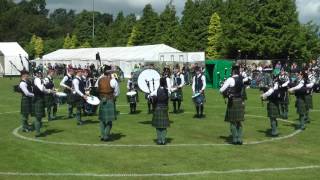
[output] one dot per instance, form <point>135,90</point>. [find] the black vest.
<point>177,80</point>
<point>68,83</point>
<point>162,97</point>
<point>302,91</point>
<point>198,83</point>
<point>29,87</point>
<point>36,90</point>
<point>49,85</point>
<point>81,85</point>
<point>236,90</point>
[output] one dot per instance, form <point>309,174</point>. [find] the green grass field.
<point>197,148</point>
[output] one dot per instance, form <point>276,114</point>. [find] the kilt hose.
<point>301,105</point>
<point>160,117</point>
<point>235,110</point>
<point>273,109</point>
<point>309,102</point>
<point>38,107</point>
<point>26,106</point>
<point>107,110</point>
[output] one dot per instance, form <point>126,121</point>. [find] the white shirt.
<point>230,82</point>
<point>299,86</point>
<point>75,84</point>
<point>203,78</point>
<point>47,80</point>
<point>182,80</point>
<point>24,87</point>
<point>64,80</point>
<point>312,81</point>
<point>168,84</point>
<point>271,90</point>
<point>245,76</point>
<point>40,86</point>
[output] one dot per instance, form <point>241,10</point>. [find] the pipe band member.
<point>274,98</point>
<point>107,89</point>
<point>38,103</point>
<point>300,92</point>
<point>310,84</point>
<point>25,88</point>
<point>79,95</point>
<point>132,100</point>
<point>284,82</point>
<point>160,119</point>
<point>199,86</point>
<point>50,99</point>
<point>66,83</point>
<point>232,89</point>
<point>178,82</point>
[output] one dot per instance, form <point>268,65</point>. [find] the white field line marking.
<point>15,132</point>
<point>235,171</point>
<point>9,112</point>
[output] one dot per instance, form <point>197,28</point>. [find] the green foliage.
<point>214,38</point>
<point>35,47</point>
<point>133,36</point>
<point>86,45</point>
<point>38,47</point>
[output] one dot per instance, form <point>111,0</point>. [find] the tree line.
<point>253,29</point>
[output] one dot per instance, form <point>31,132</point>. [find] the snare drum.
<point>61,98</point>
<point>198,99</point>
<point>174,96</point>
<point>132,97</point>
<point>93,100</point>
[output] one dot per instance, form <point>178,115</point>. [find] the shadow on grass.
<point>90,122</point>
<point>227,139</point>
<point>51,131</point>
<point>150,122</point>
<point>137,112</point>
<point>266,132</point>
<point>116,136</point>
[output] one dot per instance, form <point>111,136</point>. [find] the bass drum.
<point>148,81</point>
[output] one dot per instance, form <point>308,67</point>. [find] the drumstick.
<point>154,88</point>
<point>148,85</point>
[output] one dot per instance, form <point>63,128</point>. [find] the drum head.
<point>131,93</point>
<point>151,77</point>
<point>196,95</point>
<point>93,100</point>
<point>61,94</point>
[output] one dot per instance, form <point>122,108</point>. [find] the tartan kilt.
<point>179,96</point>
<point>309,101</point>
<point>49,100</point>
<point>160,117</point>
<point>301,105</point>
<point>26,106</point>
<point>107,110</point>
<point>285,99</point>
<point>235,110</point>
<point>38,107</point>
<point>273,109</point>
<point>70,100</point>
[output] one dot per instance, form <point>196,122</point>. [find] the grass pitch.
<point>195,145</point>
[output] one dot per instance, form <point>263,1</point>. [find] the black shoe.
<point>25,130</point>
<point>240,143</point>
<point>80,123</point>
<point>163,143</point>
<point>274,135</point>
<point>38,135</point>
<point>159,143</point>
<point>106,139</point>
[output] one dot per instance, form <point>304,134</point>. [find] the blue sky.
<point>308,9</point>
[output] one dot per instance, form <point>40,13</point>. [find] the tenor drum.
<point>132,97</point>
<point>93,100</point>
<point>198,98</point>
<point>174,96</point>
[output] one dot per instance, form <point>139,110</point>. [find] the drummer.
<point>87,108</point>
<point>79,95</point>
<point>132,87</point>
<point>50,101</point>
<point>178,82</point>
<point>67,84</point>
<point>198,87</point>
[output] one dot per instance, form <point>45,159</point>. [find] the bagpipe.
<point>16,88</point>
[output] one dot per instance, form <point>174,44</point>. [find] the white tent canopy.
<point>124,57</point>
<point>11,52</point>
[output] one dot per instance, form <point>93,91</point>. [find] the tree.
<point>38,47</point>
<point>73,42</point>
<point>133,36</point>
<point>215,32</point>
<point>67,42</point>
<point>147,26</point>
<point>85,45</point>
<point>168,26</point>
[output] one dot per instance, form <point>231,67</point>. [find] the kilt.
<point>70,99</point>
<point>273,109</point>
<point>301,105</point>
<point>284,97</point>
<point>49,100</point>
<point>26,106</point>
<point>235,110</point>
<point>160,117</point>
<point>178,96</point>
<point>38,107</point>
<point>309,101</point>
<point>107,110</point>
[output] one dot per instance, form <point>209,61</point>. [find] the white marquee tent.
<point>10,52</point>
<point>124,57</point>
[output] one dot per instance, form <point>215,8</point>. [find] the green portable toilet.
<point>217,71</point>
